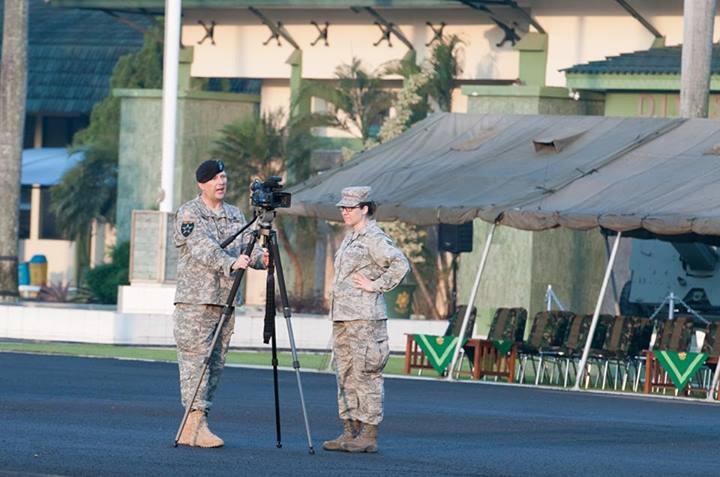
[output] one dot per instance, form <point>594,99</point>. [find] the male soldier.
<point>204,277</point>
<point>367,264</point>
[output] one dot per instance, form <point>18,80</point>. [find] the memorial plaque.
<point>153,257</point>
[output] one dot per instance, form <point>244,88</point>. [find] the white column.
<point>173,9</point>
<point>471,301</point>
<point>596,315</point>
<point>35,211</point>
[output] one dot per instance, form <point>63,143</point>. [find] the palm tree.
<point>445,65</point>
<point>260,147</point>
<point>96,177</point>
<point>253,147</point>
<point>357,98</point>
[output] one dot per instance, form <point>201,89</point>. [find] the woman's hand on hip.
<point>362,282</point>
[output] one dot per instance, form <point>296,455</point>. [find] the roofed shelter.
<point>628,175</point>
<point>442,156</point>
<point>71,56</point>
<point>644,83</point>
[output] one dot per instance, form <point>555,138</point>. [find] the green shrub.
<point>103,280</point>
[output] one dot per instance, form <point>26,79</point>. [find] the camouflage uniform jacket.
<point>371,253</point>
<point>203,268</point>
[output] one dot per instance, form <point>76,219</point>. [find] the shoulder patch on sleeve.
<point>187,228</point>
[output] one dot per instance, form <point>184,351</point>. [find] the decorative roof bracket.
<point>209,32</point>
<point>437,32</point>
<point>322,33</point>
<point>277,29</point>
<point>386,27</point>
<point>481,5</point>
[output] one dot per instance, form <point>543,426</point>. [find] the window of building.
<point>29,132</point>
<point>48,221</point>
<point>58,131</point>
<point>25,206</point>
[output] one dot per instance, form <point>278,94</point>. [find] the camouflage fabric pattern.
<point>508,324</point>
<point>194,327</point>
<point>611,345</point>
<point>354,196</point>
<point>549,329</point>
<point>361,351</point>
<point>455,322</point>
<point>711,345</point>
<point>675,335</point>
<point>371,253</point>
<point>634,336</point>
<point>203,273</point>
<point>579,329</point>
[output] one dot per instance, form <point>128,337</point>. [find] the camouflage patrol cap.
<point>354,196</point>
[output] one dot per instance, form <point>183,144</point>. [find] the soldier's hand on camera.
<point>242,262</point>
<point>362,282</point>
<point>266,258</point>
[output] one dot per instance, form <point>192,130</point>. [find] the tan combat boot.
<point>350,430</point>
<point>190,429</point>
<point>196,432</point>
<point>366,441</point>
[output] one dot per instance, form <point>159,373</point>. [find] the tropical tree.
<point>260,147</point>
<point>446,66</point>
<point>13,88</point>
<point>411,104</point>
<point>436,79</point>
<point>252,147</point>
<point>358,102</point>
<point>96,175</point>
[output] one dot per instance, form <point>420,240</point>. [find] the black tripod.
<point>269,241</point>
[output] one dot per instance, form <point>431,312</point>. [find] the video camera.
<point>267,194</point>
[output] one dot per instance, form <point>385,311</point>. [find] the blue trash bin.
<point>23,273</point>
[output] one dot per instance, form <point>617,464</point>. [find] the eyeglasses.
<point>348,209</point>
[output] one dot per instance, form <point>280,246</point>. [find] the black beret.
<point>208,169</point>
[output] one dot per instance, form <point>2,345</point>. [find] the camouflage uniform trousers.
<point>361,352</point>
<point>195,327</point>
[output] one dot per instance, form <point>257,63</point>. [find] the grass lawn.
<point>317,361</point>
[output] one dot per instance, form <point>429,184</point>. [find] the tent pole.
<point>471,301</point>
<point>612,278</point>
<point>596,314</point>
<point>711,391</point>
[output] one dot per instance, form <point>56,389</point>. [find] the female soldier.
<point>367,264</point>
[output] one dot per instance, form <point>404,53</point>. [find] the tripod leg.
<point>269,336</point>
<point>227,311</point>
<point>276,388</point>
<point>275,254</point>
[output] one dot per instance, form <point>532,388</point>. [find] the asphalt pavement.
<point>105,417</point>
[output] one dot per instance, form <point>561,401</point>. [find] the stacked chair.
<point>508,325</point>
<point>672,335</point>
<point>454,328</point>
<point>711,346</point>
<point>619,357</point>
<point>574,343</point>
<point>545,342</point>
<point>557,340</point>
